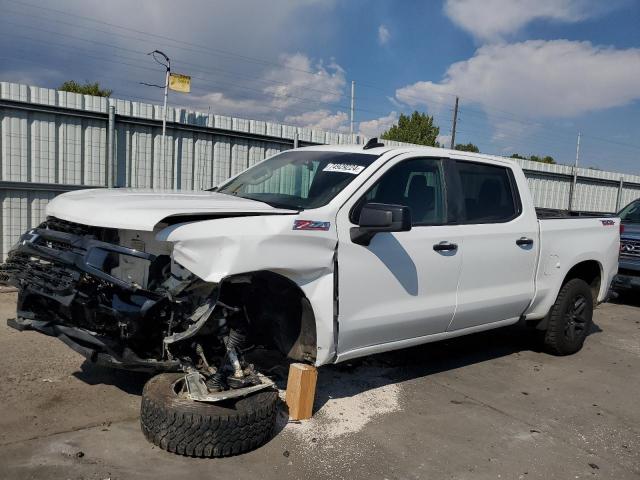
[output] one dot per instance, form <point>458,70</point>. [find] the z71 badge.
<point>311,225</point>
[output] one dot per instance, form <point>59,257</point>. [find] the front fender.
<point>218,248</point>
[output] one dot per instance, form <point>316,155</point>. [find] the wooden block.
<point>301,390</point>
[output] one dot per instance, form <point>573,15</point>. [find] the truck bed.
<point>576,239</point>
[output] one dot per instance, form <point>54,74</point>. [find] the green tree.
<point>86,89</point>
<point>417,128</point>
<point>536,158</point>
<point>547,159</point>
<point>467,147</point>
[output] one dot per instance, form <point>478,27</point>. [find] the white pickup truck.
<point>322,254</point>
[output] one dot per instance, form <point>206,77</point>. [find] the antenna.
<point>373,143</point>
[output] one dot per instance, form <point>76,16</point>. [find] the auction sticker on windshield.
<point>343,168</point>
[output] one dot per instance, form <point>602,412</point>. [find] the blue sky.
<point>530,74</point>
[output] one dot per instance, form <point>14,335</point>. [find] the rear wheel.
<point>570,318</point>
<point>177,424</point>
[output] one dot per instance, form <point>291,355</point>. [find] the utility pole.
<point>453,128</point>
<point>574,181</point>
<point>353,99</point>
<point>167,65</point>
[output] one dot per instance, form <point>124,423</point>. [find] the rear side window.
<point>489,193</point>
<point>415,183</point>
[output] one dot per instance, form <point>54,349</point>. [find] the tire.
<point>570,319</point>
<point>186,427</point>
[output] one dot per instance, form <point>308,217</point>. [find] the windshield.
<point>298,179</point>
<point>631,213</point>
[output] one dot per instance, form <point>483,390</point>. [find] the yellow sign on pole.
<point>180,83</point>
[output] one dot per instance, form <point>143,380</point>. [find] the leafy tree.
<point>417,128</point>
<point>468,147</point>
<point>86,89</point>
<point>546,159</point>
<point>536,158</point>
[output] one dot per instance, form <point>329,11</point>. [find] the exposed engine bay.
<point>118,298</point>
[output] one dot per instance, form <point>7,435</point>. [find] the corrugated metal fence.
<point>52,142</point>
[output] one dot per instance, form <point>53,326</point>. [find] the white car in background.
<point>322,254</point>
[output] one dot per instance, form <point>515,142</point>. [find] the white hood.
<point>143,209</point>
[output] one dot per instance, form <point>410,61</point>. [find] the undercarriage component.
<point>197,389</point>
<point>198,319</point>
<point>94,348</point>
<point>233,342</point>
<point>216,382</point>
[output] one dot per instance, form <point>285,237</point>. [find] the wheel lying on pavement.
<point>570,318</point>
<point>177,424</point>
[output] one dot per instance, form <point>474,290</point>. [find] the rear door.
<point>398,287</point>
<point>500,244</point>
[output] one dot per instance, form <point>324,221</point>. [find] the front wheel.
<point>180,425</point>
<point>570,318</point>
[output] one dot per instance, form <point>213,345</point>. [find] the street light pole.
<point>167,65</point>
<point>164,111</point>
<point>353,99</point>
<point>574,180</point>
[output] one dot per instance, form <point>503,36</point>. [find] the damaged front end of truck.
<point>118,298</point>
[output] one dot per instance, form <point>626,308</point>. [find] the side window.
<point>488,192</point>
<point>415,183</point>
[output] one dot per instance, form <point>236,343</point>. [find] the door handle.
<point>445,247</point>
<point>524,241</point>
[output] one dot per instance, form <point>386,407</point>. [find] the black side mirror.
<point>380,217</point>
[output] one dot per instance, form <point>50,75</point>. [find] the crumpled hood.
<point>142,209</point>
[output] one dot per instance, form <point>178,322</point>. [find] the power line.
<point>217,84</point>
<point>181,62</point>
<point>205,81</point>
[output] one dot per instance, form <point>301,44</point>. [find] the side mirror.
<point>380,217</point>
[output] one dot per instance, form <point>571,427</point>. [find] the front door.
<point>400,286</point>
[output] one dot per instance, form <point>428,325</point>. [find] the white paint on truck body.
<point>393,293</point>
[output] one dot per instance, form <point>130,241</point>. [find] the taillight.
<point>621,228</point>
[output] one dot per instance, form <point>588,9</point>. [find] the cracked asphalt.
<point>487,406</point>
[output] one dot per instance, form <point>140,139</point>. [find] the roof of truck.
<point>420,150</point>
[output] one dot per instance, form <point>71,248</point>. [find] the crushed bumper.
<point>94,348</point>
<point>68,256</point>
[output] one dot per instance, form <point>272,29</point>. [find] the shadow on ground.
<point>631,299</point>
<point>127,381</point>
<point>357,376</point>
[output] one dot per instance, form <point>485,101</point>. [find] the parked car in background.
<point>628,278</point>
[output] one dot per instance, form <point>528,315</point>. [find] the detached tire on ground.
<point>570,318</point>
<point>179,425</point>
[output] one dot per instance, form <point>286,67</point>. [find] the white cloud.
<point>289,92</point>
<point>493,19</point>
<point>377,126</point>
<point>444,140</point>
<point>383,35</point>
<point>294,82</point>
<point>558,78</point>
<point>323,119</point>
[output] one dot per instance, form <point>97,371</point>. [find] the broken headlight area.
<point>127,307</point>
